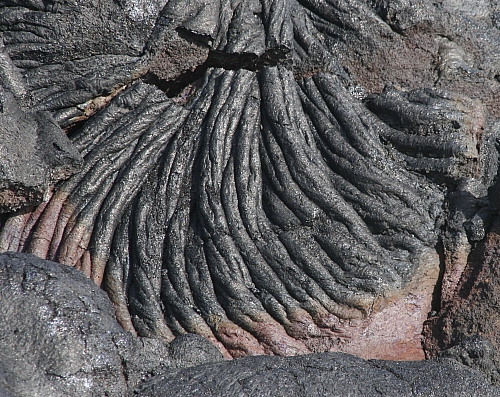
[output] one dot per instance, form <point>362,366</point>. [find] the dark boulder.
<point>326,374</point>
<point>35,153</point>
<point>59,336</point>
<point>478,353</point>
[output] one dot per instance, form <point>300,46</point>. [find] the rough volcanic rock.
<point>472,306</point>
<point>327,374</point>
<point>245,192</point>
<point>478,353</point>
<point>59,336</point>
<point>446,44</point>
<point>35,154</point>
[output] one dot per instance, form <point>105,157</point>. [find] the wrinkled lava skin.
<point>234,184</point>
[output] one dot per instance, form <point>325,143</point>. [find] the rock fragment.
<point>35,154</point>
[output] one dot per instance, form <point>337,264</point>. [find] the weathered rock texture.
<point>34,151</point>
<point>34,155</point>
<point>446,44</point>
<point>59,336</point>
<point>327,374</point>
<point>234,184</point>
<point>472,307</point>
<point>478,353</point>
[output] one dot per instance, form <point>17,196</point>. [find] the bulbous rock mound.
<point>60,336</point>
<point>234,185</point>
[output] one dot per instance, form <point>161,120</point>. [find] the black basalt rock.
<point>35,153</point>
<point>59,336</point>
<point>278,177</point>
<point>326,374</point>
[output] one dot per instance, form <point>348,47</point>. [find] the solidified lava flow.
<point>233,185</point>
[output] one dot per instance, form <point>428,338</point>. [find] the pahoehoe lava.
<point>264,207</point>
